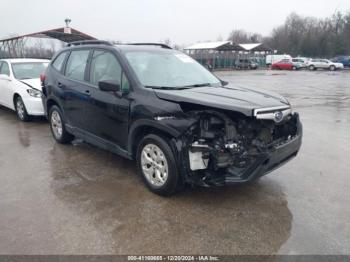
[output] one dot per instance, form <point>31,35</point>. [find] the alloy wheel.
<point>56,124</point>
<point>154,165</point>
<point>20,108</point>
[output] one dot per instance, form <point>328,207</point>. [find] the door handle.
<point>60,85</point>
<point>87,92</point>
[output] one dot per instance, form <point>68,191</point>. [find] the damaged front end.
<point>224,147</point>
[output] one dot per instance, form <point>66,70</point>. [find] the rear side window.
<point>76,64</point>
<point>58,63</point>
<point>105,67</point>
<point>5,70</point>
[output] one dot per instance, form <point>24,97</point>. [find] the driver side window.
<point>105,67</point>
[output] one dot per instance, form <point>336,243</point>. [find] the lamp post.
<point>67,21</point>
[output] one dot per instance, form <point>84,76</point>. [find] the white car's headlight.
<point>34,93</point>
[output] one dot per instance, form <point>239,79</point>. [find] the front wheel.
<point>157,165</point>
<point>332,68</point>
<point>21,110</point>
<point>294,68</point>
<point>57,126</point>
<point>312,67</point>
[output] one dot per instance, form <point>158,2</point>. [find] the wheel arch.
<point>50,102</point>
<point>15,96</point>
<point>145,127</point>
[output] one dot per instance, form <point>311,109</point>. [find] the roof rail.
<point>89,42</point>
<point>154,44</point>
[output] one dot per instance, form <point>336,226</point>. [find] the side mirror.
<point>108,86</point>
<point>223,83</point>
<point>5,77</point>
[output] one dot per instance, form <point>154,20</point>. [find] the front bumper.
<point>264,164</point>
<point>34,106</point>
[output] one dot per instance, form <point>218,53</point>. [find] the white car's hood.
<point>33,83</point>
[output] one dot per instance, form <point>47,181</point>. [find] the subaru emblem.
<point>278,116</point>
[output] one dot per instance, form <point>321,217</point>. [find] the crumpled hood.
<point>239,99</point>
<point>33,83</point>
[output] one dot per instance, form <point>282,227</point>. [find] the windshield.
<point>28,70</point>
<point>169,70</point>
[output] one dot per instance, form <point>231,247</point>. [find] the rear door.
<point>286,64</point>
<point>316,63</point>
<point>108,114</point>
<point>74,87</point>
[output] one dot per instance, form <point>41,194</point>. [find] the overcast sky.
<point>182,21</point>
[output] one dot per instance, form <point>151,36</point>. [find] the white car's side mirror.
<point>5,77</point>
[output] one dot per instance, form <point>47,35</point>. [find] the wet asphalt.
<point>78,199</point>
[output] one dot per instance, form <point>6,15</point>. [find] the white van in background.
<point>271,59</point>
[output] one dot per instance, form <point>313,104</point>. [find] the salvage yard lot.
<point>77,199</point>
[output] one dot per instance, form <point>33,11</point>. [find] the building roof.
<point>65,34</point>
<point>220,46</point>
<point>207,45</point>
<point>255,47</point>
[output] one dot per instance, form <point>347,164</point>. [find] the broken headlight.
<point>34,93</point>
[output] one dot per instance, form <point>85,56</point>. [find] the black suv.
<point>159,106</point>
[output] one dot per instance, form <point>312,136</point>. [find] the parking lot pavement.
<point>77,199</point>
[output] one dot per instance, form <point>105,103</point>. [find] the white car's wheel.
<point>332,68</point>
<point>21,110</point>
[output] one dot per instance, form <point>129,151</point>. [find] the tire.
<point>21,110</point>
<point>57,126</point>
<point>312,67</point>
<point>154,154</point>
<point>332,68</point>
<point>294,68</point>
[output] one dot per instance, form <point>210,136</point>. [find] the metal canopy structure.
<point>226,55</point>
<point>218,46</point>
<point>14,46</point>
<point>255,47</point>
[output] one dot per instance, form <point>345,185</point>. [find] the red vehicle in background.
<point>285,64</point>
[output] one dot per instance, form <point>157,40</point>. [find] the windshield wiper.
<point>178,87</point>
<point>199,85</point>
<point>168,87</point>
<point>161,87</point>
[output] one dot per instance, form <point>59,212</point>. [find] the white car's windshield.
<point>28,70</point>
<point>169,70</point>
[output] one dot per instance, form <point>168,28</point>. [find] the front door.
<point>108,114</point>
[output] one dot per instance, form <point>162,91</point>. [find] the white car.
<point>20,86</point>
<point>271,59</point>
<point>301,61</point>
<point>315,64</point>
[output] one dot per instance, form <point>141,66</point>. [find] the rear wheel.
<point>57,126</point>
<point>21,110</point>
<point>157,165</point>
<point>294,68</point>
<point>312,67</point>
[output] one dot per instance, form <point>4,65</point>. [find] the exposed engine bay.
<point>220,144</point>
